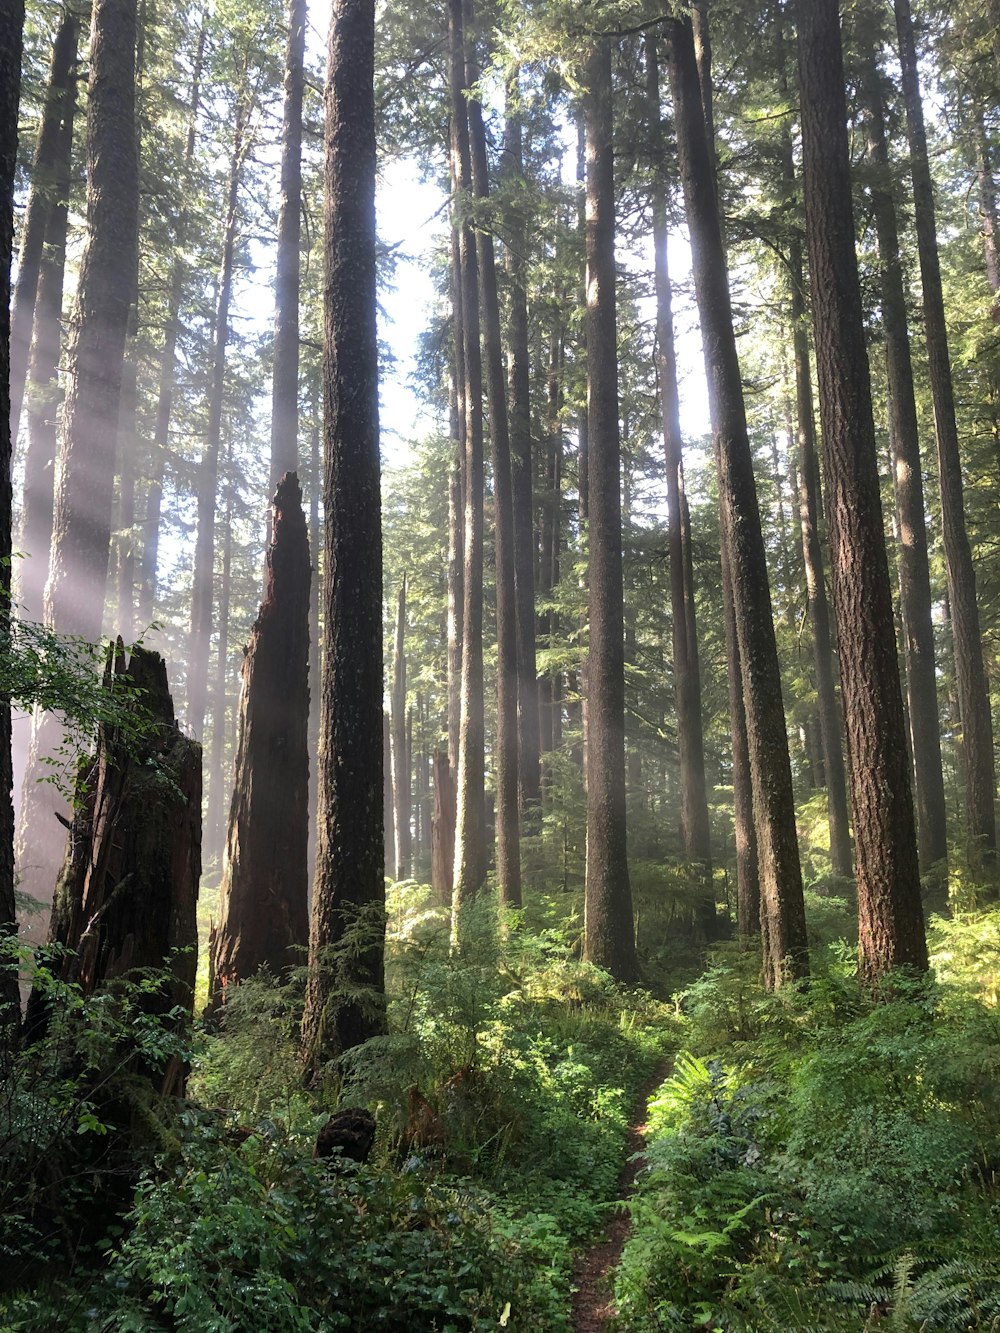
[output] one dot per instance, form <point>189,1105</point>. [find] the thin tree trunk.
<point>455,610</point>
<point>11,41</point>
<point>890,917</point>
<point>687,684</point>
<point>214,838</point>
<point>782,910</point>
<point>203,577</point>
<point>400,765</point>
<point>519,378</point>
<point>456,481</point>
<point>348,908</point>
<point>124,619</point>
<point>973,692</point>
<point>165,390</point>
<point>315,657</point>
<point>285,383</point>
<point>988,205</point>
<point>45,196</point>
<point>508,833</point>
<point>904,439</point>
<point>44,394</point>
<point>470,830</point>
<point>388,803</point>
<point>442,829</point>
<point>264,915</point>
<point>609,932</point>
<point>554,398</point>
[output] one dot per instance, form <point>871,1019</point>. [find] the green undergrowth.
<point>827,1158</point>
<point>502,1092</point>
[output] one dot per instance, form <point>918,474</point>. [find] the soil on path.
<point>593,1273</point>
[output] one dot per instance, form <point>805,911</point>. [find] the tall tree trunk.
<point>285,384</point>
<point>264,914</point>
<point>122,600</point>
<point>904,439</point>
<point>74,595</point>
<point>890,917</point>
<point>73,601</point>
<point>470,823</point>
<point>349,892</point>
<point>165,388</point>
<point>553,516</point>
<point>782,910</point>
<point>203,577</point>
<point>43,198</point>
<point>812,560</point>
<point>315,657</point>
<point>214,839</point>
<point>687,684</point>
<point>388,803</point>
<point>988,206</point>
<point>400,763</point>
<point>44,388</point>
<point>519,379</point>
<point>508,833</point>
<point>973,693</point>
<point>609,931</point>
<point>456,479</point>
<point>11,40</point>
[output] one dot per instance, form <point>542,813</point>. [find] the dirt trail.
<point>593,1273</point>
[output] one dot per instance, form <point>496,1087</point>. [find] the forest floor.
<point>593,1273</point>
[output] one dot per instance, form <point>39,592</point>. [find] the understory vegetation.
<point>819,1158</point>
<point>825,1157</point>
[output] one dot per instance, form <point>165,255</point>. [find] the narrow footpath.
<point>594,1271</point>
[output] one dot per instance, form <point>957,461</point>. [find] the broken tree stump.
<point>127,894</point>
<point>264,915</point>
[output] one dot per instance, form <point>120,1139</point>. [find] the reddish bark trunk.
<point>264,918</point>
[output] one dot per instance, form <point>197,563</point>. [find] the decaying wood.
<point>127,894</point>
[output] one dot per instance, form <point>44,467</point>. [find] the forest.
<point>499,623</point>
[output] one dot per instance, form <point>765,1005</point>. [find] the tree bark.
<point>973,692</point>
<point>285,384</point>
<point>81,531</point>
<point>388,804</point>
<point>834,772</point>
<point>264,914</point>
<point>127,896</point>
<point>782,910</point>
<point>687,683</point>
<point>44,394</point>
<point>214,839</point>
<point>11,41</point>
<point>203,576</point>
<point>73,600</point>
<point>165,388</point>
<point>519,381</point>
<point>470,822</point>
<point>348,909</point>
<point>505,778</point>
<point>442,829</point>
<point>904,439</point>
<point>891,927</point>
<point>609,932</point>
<point>400,763</point>
<point>44,196</point>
